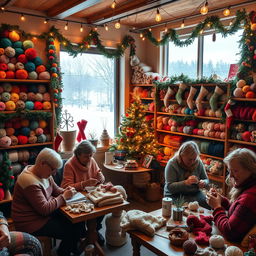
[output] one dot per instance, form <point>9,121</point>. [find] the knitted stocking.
<point>58,139</point>
<point>191,95</point>
<point>178,95</point>
<point>203,92</point>
<point>213,100</point>
<point>229,113</point>
<point>81,125</point>
<point>168,94</point>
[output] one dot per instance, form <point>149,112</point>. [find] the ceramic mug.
<point>109,157</point>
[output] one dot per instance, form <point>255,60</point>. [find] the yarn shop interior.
<point>130,125</point>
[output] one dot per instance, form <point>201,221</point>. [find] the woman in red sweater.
<point>241,208</point>
<point>36,199</point>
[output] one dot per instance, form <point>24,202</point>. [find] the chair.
<point>59,174</point>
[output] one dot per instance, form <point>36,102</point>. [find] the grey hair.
<point>189,148</point>
<point>49,156</point>
<point>84,147</point>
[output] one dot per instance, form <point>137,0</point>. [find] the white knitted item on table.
<point>100,194</point>
<point>113,200</point>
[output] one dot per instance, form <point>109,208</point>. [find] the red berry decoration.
<point>51,57</point>
<point>51,52</point>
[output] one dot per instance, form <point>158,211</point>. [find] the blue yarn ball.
<point>187,110</point>
<point>54,70</point>
<point>5,42</point>
<point>38,61</point>
<point>17,132</point>
<point>41,138</point>
<point>29,105</point>
<point>30,66</point>
<point>18,51</point>
<point>25,131</point>
<point>191,111</point>
<point>17,44</point>
<point>32,88</point>
<point>33,125</point>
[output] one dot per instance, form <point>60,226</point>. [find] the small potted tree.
<point>93,138</point>
<point>177,211</point>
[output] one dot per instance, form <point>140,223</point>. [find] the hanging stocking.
<point>190,98</point>
<point>178,95</point>
<point>81,125</point>
<point>203,92</point>
<point>58,139</point>
<point>168,94</point>
<point>229,113</point>
<point>214,98</point>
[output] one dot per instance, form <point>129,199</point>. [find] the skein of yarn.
<point>217,241</point>
<point>233,251</point>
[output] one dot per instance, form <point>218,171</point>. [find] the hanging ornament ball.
<point>51,51</point>
<point>51,39</point>
<point>54,75</point>
<point>28,44</point>
<point>233,251</point>
<point>53,70</point>
<point>56,90</point>
<point>54,65</point>
<point>253,26</point>
<point>14,36</point>
<point>52,47</point>
<point>254,57</point>
<point>251,48</point>
<point>51,57</point>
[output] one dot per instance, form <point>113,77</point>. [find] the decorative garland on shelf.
<point>26,114</point>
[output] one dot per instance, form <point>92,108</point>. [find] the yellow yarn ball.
<point>42,124</point>
<point>14,36</point>
<point>10,105</point>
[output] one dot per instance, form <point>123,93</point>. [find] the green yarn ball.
<point>32,75</point>
<point>18,51</point>
<point>30,66</point>
<point>33,125</point>
<point>38,61</point>
<point>53,70</point>
<point>28,44</point>
<point>17,44</point>
<point>5,42</point>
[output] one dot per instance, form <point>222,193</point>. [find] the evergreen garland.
<point>6,174</point>
<point>26,114</point>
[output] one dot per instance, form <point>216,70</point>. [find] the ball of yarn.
<point>2,106</point>
<point>32,75</point>
<point>193,206</point>
<point>14,36</point>
<point>41,88</point>
<point>14,140</point>
<point>217,241</point>
<point>4,59</point>
<point>28,44</point>
<point>42,124</point>
<point>240,84</point>
<point>11,67</point>
<point>33,125</point>
<point>5,42</point>
<point>23,96</point>
<point>233,251</point>
<point>38,61</point>
<point>18,52</point>
<point>32,139</point>
<point>39,97</point>
<point>7,87</point>
<point>22,139</point>
<point>15,97</point>
<point>10,74</point>
<point>9,52</point>
<point>29,105</point>
<point>24,122</point>
<point>30,66</point>
<point>40,69</point>
<point>19,65</point>
<point>5,141</point>
<point>44,75</point>
<point>190,247</point>
<point>31,96</point>
<point>41,138</point>
<point>10,105</point>
<point>39,131</point>
<point>31,53</point>
<point>21,74</point>
<point>2,74</point>
<point>10,131</point>
<point>238,93</point>
<point>47,105</point>
<point>38,105</point>
<point>17,44</point>
<point>25,131</point>
<point>22,58</point>
<point>3,66</point>
<point>2,133</point>
<point>46,96</point>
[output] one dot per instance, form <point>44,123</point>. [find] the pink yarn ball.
<point>238,93</point>
<point>222,135</point>
<point>2,106</point>
<point>39,131</point>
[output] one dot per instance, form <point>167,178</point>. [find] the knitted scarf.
<point>78,166</point>
<point>188,169</point>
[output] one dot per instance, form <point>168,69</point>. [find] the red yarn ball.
<point>3,66</point>
<point>246,136</point>
<point>22,139</point>
<point>21,74</point>
<point>38,105</point>
<point>10,74</point>
<point>40,69</point>
<point>31,53</point>
<point>22,58</point>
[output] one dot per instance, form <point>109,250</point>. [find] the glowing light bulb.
<point>204,9</point>
<point>182,24</point>
<point>158,17</point>
<point>113,5</point>
<point>226,12</point>
<point>117,25</point>
<point>22,17</point>
<point>81,28</point>
<point>150,29</point>
<point>46,21</point>
<point>66,26</point>
<point>141,35</point>
<point>106,27</point>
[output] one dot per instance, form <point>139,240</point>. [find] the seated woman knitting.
<point>185,175</point>
<point>241,208</point>
<point>13,243</point>
<point>36,199</point>
<point>81,170</point>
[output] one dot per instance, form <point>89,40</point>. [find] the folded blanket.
<point>109,201</point>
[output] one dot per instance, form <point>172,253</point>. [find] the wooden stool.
<point>46,243</point>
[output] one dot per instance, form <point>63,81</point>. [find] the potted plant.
<point>177,211</point>
<point>93,138</point>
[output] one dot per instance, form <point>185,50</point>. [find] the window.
<point>220,54</point>
<point>182,60</point>
<point>89,90</point>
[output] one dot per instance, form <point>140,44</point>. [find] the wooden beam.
<point>7,3</point>
<point>68,8</point>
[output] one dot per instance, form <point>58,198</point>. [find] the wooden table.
<point>129,184</point>
<point>90,218</point>
<point>160,244</point>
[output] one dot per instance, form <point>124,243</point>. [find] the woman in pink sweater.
<point>81,170</point>
<point>36,199</point>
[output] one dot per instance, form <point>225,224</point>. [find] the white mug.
<point>109,157</point>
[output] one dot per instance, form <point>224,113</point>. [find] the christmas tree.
<point>6,174</point>
<point>136,135</point>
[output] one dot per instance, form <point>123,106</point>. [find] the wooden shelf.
<point>147,98</point>
<point>243,99</point>
<point>23,81</point>
<point>247,121</point>
<point>192,116</point>
<point>146,85</point>
<point>242,142</point>
<point>33,111</point>
<point>29,145</point>
<point>185,101</point>
<point>147,111</point>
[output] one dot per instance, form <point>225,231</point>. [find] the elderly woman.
<point>36,199</point>
<point>185,175</point>
<point>241,208</point>
<point>81,170</point>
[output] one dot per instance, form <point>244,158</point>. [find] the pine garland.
<point>26,114</point>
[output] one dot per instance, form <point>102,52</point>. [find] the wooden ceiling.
<point>133,13</point>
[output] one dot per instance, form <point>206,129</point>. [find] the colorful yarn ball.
<point>46,96</point>
<point>32,133</point>
<point>52,47</point>
<point>14,140</point>
<point>22,139</point>
<point>10,105</point>
<point>233,251</point>
<point>23,96</point>
<point>238,93</point>
<point>22,58</point>
<point>33,125</point>
<point>30,66</point>
<point>20,104</point>
<point>10,74</point>
<point>32,139</point>
<point>10,131</point>
<point>42,124</point>
<point>44,75</point>
<point>21,74</point>
<point>18,51</point>
<point>39,131</point>
<point>217,241</point>
<point>2,133</point>
<point>19,65</point>
<point>41,138</point>
<point>38,105</point>
<point>2,106</point>
<point>7,87</point>
<point>15,97</point>
<point>4,59</point>
<point>40,69</point>
<point>25,131</point>
<point>53,70</point>
<point>1,51</point>
<point>39,97</point>
<point>41,88</point>
<point>246,136</point>
<point>32,75</point>
<point>241,83</point>
<point>11,66</point>
<point>28,44</point>
<point>9,52</point>
<point>5,142</point>
<point>2,75</point>
<point>5,42</point>
<point>29,105</point>
<point>31,53</point>
<point>3,66</point>
<point>31,96</point>
<point>250,94</point>
<point>38,61</point>
<point>14,36</point>
<point>6,96</point>
<point>17,44</point>
<point>189,247</point>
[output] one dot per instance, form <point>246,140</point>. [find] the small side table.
<point>129,189</point>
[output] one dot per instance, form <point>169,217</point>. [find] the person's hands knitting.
<point>191,180</point>
<point>68,192</point>
<point>213,198</point>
